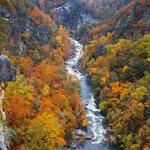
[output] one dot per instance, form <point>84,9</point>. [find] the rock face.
<point>71,13</point>
<point>7,73</point>
<point>24,33</point>
<point>74,13</point>
<point>19,24</point>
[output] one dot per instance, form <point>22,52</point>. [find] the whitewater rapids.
<point>95,127</point>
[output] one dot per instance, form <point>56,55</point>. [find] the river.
<point>95,127</point>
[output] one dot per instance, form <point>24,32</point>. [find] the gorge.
<point>83,74</point>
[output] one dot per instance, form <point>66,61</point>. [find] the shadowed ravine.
<point>95,127</point>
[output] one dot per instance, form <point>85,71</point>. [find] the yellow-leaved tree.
<point>44,133</point>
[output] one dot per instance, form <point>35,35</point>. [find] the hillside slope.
<point>43,105</point>
<point>134,18</point>
<point>117,61</point>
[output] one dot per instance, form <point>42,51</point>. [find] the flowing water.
<point>95,127</point>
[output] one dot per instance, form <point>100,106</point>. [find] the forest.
<point>116,59</point>
<point>43,102</point>
<point>44,107</point>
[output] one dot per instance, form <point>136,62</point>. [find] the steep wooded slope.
<point>42,106</point>
<point>117,61</point>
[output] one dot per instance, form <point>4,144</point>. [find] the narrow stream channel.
<point>95,127</point>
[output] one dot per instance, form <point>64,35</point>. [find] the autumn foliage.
<point>43,105</point>
<point>119,73</point>
<point>116,59</point>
